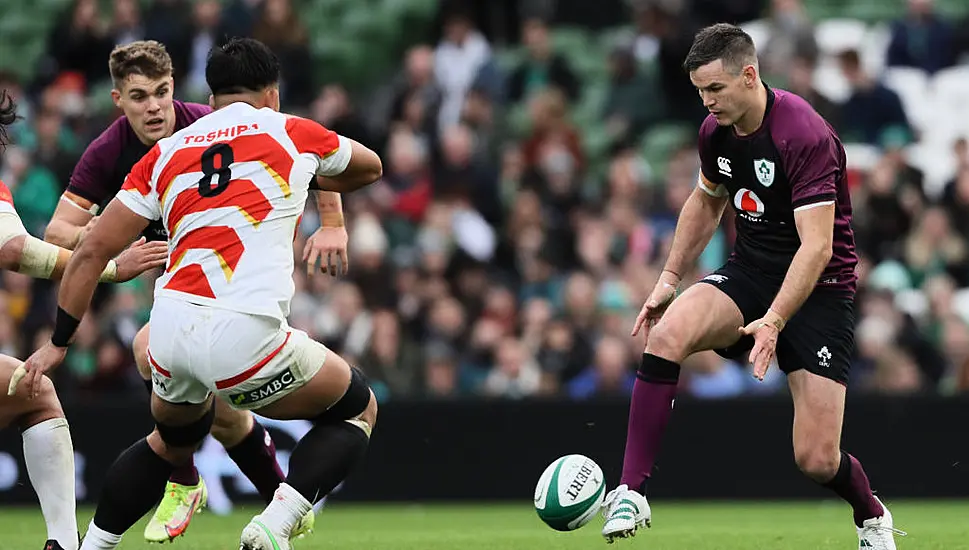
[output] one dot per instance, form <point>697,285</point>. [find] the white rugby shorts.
<point>248,360</point>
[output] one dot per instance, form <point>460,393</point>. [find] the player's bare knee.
<point>139,347</point>
<point>370,414</point>
<point>172,454</point>
<point>819,462</point>
<point>44,406</point>
<point>669,341</point>
<point>47,397</point>
<point>230,426</point>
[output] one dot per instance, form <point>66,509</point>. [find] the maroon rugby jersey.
<point>99,174</point>
<point>794,161</point>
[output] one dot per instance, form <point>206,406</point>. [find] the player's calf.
<point>323,457</point>
<point>138,476</point>
<point>48,453</point>
<point>249,445</point>
<point>184,484</point>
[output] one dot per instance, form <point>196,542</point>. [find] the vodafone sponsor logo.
<point>747,202</point>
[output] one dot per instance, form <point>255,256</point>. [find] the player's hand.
<point>140,257</point>
<point>328,245</point>
<point>33,370</point>
<point>659,299</point>
<point>765,332</point>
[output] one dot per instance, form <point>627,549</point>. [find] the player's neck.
<point>751,121</point>
<point>228,99</point>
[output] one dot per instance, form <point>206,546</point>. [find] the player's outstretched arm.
<point>31,256</point>
<point>118,227</point>
<point>698,221</point>
<point>815,227</point>
<point>73,218</point>
<point>24,253</point>
<point>363,169</point>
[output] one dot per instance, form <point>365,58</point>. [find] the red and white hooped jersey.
<point>6,200</point>
<point>230,189</point>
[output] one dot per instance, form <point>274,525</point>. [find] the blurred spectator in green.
<point>542,67</point>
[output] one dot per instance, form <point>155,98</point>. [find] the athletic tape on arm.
<point>93,210</point>
<point>718,191</point>
<point>39,258</point>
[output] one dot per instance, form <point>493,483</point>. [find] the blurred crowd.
<point>501,255</point>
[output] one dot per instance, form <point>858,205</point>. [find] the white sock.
<point>49,454</point>
<point>99,539</point>
<point>285,511</point>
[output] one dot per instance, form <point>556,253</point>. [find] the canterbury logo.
<point>723,164</point>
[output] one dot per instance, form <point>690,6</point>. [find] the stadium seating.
<point>836,35</point>
<point>393,24</point>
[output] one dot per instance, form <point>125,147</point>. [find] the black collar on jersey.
<point>770,98</point>
<point>770,104</point>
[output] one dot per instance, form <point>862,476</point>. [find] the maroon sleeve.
<point>198,110</point>
<point>187,113</point>
<point>92,175</point>
<point>811,153</point>
<point>710,163</point>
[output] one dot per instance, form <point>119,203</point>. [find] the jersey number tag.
<point>209,171</point>
<point>765,171</point>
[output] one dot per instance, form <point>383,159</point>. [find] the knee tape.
<point>188,435</point>
<point>353,402</point>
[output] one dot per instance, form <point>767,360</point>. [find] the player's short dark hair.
<point>723,41</point>
<point>148,58</point>
<point>8,115</point>
<point>242,65</point>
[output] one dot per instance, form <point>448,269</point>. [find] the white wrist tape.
<point>110,273</point>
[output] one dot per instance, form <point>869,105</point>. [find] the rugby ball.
<point>570,492</point>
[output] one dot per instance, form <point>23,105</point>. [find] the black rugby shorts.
<point>819,338</point>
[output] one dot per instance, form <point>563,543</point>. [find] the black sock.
<point>133,485</point>
<point>324,457</point>
<point>255,456</point>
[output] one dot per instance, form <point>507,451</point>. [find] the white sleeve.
<point>146,206</point>
<point>337,160</point>
<point>10,224</point>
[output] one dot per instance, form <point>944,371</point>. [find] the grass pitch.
<point>931,525</point>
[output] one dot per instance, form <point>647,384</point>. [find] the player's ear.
<point>116,97</point>
<point>212,101</point>
<point>273,98</point>
<point>750,76</point>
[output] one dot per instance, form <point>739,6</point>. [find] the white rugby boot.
<point>625,511</point>
<point>258,536</point>
<point>878,533</point>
